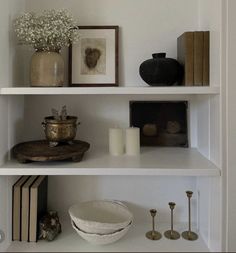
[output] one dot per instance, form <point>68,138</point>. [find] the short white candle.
<point>116,141</point>
<point>133,141</point>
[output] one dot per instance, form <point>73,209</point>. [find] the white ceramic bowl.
<point>97,239</point>
<point>100,217</point>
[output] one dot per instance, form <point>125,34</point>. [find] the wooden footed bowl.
<point>40,151</point>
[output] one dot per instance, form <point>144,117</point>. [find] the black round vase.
<point>161,71</point>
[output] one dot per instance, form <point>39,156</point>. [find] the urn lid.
<point>159,55</point>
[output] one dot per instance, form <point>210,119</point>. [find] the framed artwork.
<point>93,61</point>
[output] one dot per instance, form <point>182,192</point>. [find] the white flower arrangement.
<point>50,31</point>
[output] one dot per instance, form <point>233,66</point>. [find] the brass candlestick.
<point>189,235</point>
<point>172,234</point>
<point>153,235</point>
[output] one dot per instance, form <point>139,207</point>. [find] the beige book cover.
<point>186,57</point>
<point>16,208</point>
<point>38,205</point>
<point>206,59</point>
<point>198,58</point>
<point>26,208</point>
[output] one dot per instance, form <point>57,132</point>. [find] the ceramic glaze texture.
<point>100,217</point>
<point>161,71</point>
<point>98,239</point>
<point>47,69</point>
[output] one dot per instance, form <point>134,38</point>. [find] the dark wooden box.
<point>161,123</point>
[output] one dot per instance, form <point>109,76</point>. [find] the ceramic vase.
<point>161,71</point>
<point>47,69</point>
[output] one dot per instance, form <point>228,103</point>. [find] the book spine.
<point>17,208</point>
<point>14,228</point>
<point>24,214</point>
<point>15,216</point>
<point>33,215</point>
<point>206,59</point>
<point>198,58</point>
<point>186,57</point>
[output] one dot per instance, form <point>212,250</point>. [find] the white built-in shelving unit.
<point>69,242</point>
<point>158,175</point>
<point>151,162</point>
<point>111,91</point>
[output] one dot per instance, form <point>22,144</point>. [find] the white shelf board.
<point>134,241</point>
<point>109,90</point>
<point>151,162</point>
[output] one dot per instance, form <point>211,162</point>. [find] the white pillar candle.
<point>133,141</point>
<point>116,141</point>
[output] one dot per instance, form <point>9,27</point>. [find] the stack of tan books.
<point>29,204</point>
<point>193,54</point>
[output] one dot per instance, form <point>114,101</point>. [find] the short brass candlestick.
<point>172,234</point>
<point>189,235</point>
<point>153,235</point>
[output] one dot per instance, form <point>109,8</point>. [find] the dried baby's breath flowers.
<point>50,31</point>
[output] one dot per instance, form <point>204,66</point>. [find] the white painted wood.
<point>111,91</point>
<point>230,134</point>
<point>215,222</point>
<point>209,191</point>
<point>134,241</point>
<point>10,72</point>
<point>215,130</point>
<point>224,125</point>
<point>203,126</point>
<point>98,113</point>
<point>209,121</point>
<point>203,192</point>
<point>152,161</point>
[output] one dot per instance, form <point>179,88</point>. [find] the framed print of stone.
<point>93,61</point>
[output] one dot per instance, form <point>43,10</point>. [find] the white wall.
<point>139,193</point>
<point>11,54</point>
<point>210,19</point>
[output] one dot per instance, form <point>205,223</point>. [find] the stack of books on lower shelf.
<point>194,55</point>
<point>29,204</point>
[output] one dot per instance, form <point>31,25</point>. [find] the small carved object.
<point>153,234</point>
<point>189,235</point>
<point>173,127</point>
<point>49,226</point>
<point>55,114</point>
<point>172,234</point>
<point>64,113</point>
<point>62,116</point>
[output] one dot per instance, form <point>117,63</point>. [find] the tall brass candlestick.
<point>189,235</point>
<point>172,234</point>
<point>153,235</point>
